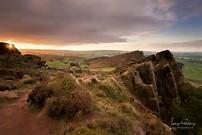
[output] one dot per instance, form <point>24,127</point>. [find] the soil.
<point>17,118</point>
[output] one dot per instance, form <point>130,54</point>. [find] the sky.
<point>150,25</point>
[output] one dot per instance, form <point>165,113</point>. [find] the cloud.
<point>84,21</point>
<point>182,9</point>
<point>188,46</point>
<point>73,21</point>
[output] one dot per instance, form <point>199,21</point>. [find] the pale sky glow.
<point>146,43</point>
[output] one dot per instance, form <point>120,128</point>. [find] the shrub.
<point>39,95</point>
<point>70,105</point>
<point>94,80</point>
<point>63,85</point>
<point>76,64</point>
<point>57,106</point>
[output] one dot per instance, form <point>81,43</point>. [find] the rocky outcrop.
<point>155,81</point>
<point>6,49</point>
<point>14,65</point>
<point>10,57</point>
<point>34,60</point>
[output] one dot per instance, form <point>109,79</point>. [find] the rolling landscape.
<point>69,93</point>
<point>104,60</point>
<point>101,67</point>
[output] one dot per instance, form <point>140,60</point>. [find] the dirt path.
<point>17,119</point>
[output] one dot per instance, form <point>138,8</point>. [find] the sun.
<point>10,46</point>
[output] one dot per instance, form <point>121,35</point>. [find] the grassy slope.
<point>192,70</point>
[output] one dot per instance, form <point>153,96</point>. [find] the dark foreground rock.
<point>6,48</point>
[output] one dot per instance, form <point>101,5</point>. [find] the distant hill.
<point>116,60</point>
<point>68,53</point>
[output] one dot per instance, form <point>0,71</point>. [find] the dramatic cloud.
<point>86,21</point>
<point>77,21</point>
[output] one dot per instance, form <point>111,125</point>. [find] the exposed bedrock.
<point>155,81</point>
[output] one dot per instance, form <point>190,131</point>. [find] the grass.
<point>192,111</point>
<point>192,70</point>
<point>58,65</point>
<point>102,69</point>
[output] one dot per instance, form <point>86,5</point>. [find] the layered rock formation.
<point>155,81</point>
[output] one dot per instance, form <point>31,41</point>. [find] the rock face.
<point>155,81</point>
<point>6,48</point>
<point>10,57</point>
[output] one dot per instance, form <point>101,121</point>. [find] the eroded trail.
<point>17,119</point>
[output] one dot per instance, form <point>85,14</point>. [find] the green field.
<point>192,69</point>
<point>58,65</point>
